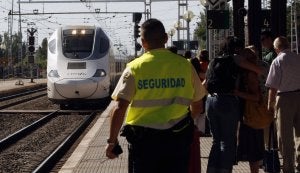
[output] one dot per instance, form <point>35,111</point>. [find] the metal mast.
<point>10,40</point>
<point>217,36</point>
<point>147,9</point>
<point>20,55</point>
<point>294,27</point>
<point>181,28</point>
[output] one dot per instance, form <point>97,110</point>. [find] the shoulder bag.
<point>257,115</point>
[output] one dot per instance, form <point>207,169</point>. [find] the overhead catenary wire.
<point>118,27</point>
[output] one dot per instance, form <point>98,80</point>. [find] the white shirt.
<point>284,74</point>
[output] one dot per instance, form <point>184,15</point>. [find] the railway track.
<point>16,136</point>
<point>23,97</point>
<point>5,98</point>
<point>40,145</point>
<point>35,134</point>
<point>61,150</point>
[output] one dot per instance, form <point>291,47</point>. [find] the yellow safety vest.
<point>163,84</point>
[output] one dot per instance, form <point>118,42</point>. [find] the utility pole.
<point>20,43</point>
<point>10,20</point>
<point>20,67</point>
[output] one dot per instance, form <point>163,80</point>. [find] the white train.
<point>80,65</point>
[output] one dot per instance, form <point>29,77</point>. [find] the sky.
<point>119,27</point>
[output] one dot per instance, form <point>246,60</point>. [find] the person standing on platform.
<point>161,100</point>
<point>267,43</point>
<point>199,121</point>
<point>250,140</point>
<point>222,106</point>
<point>204,61</point>
<point>172,49</point>
<point>269,55</point>
<point>283,82</point>
<point>188,54</point>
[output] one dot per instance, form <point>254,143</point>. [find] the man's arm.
<point>250,66</point>
<point>272,99</point>
<point>196,108</point>
<point>117,119</point>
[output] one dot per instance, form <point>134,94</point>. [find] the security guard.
<point>159,89</point>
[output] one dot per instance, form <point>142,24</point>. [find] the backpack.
<point>221,75</point>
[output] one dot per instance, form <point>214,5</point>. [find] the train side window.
<point>104,45</point>
<point>52,46</point>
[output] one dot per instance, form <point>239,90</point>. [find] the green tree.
<point>41,54</point>
<point>5,44</point>
<point>1,49</point>
<point>200,31</point>
<point>2,58</point>
<point>16,40</point>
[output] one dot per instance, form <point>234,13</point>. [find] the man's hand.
<point>109,152</point>
<point>271,99</point>
<point>271,106</point>
<point>117,118</point>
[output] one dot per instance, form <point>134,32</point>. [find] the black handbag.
<point>271,162</point>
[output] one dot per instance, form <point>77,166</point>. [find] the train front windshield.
<point>78,43</point>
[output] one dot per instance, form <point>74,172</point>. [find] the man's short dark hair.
<point>195,62</point>
<point>153,31</point>
<point>267,34</point>
<point>231,45</point>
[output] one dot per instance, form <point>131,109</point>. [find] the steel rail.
<point>11,139</point>
<point>20,94</point>
<point>22,101</point>
<point>61,150</point>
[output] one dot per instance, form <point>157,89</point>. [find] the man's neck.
<point>155,47</point>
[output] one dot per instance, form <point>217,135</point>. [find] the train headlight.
<point>53,73</point>
<point>99,73</point>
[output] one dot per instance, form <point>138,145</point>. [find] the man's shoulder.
<point>269,57</point>
<point>273,54</point>
<point>137,60</point>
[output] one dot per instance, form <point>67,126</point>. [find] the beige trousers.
<point>288,129</point>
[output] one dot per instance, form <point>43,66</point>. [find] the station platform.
<point>89,156</point>
<point>16,84</point>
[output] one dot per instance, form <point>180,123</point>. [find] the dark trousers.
<point>161,153</point>
<point>223,114</point>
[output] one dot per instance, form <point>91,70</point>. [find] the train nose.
<point>76,88</point>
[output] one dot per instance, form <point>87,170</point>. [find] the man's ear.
<point>144,44</point>
<point>166,38</point>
